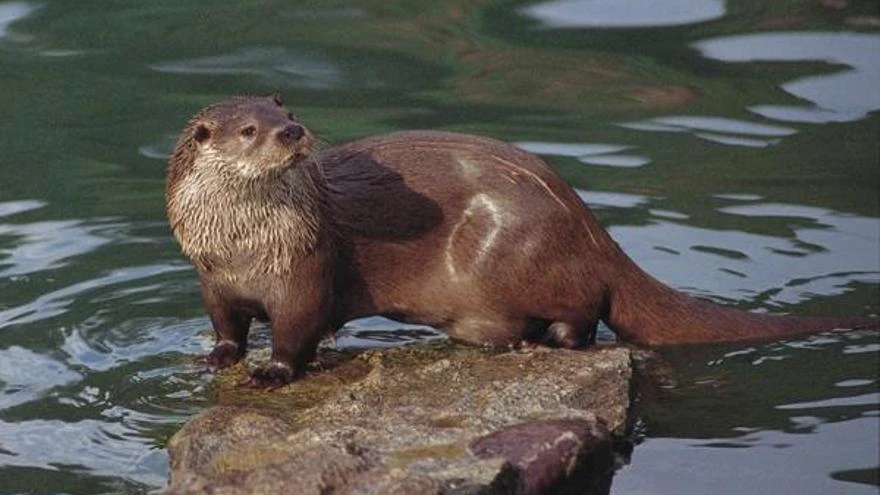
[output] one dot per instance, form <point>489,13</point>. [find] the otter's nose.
<point>291,134</point>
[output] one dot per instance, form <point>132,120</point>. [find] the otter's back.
<point>405,183</point>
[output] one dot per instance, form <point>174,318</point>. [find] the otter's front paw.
<point>224,354</point>
<point>275,375</point>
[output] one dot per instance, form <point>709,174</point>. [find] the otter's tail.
<point>644,310</point>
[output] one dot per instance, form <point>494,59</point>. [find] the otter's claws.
<point>270,377</point>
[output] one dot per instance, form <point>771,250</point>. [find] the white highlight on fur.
<point>480,203</point>
<point>541,182</point>
<point>483,201</point>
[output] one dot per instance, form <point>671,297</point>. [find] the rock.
<point>430,419</point>
<point>543,455</point>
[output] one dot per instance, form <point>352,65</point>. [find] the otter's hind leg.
<point>570,335</point>
<point>487,331</point>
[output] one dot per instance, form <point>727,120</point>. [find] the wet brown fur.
<point>471,235</point>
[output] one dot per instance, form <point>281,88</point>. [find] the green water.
<point>731,148</point>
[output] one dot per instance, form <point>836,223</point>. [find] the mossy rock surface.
<point>427,419</point>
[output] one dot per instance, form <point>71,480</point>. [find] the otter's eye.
<point>249,131</point>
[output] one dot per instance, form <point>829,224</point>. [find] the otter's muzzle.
<point>290,135</point>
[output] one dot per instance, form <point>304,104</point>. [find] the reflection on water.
<point>598,199</point>
<point>10,208</point>
<point>829,252</point>
<point>591,154</point>
<point>380,332</point>
<point>859,349</point>
<point>841,96</point>
<point>107,446</point>
<point>570,149</point>
<point>871,399</point>
<point>780,439</point>
<point>625,161</point>
<point>18,381</point>
<point>722,130</point>
<point>854,383</point>
<point>297,68</point>
<point>762,459</point>
<point>11,12</point>
<point>275,65</point>
<point>56,302</point>
<point>623,13</point>
<point>837,97</point>
<point>738,197</point>
<point>46,245</point>
<point>100,345</point>
<point>87,368</point>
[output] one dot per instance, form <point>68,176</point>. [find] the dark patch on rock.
<point>556,456</point>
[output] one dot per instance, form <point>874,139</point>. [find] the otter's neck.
<point>224,222</point>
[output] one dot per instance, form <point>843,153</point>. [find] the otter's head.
<point>252,138</point>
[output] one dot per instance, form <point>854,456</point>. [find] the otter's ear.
<point>201,133</point>
<point>276,97</point>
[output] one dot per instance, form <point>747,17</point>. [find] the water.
<point>730,147</point>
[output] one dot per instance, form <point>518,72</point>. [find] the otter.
<point>467,234</point>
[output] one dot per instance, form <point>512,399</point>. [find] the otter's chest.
<point>244,262</point>
<point>237,243</point>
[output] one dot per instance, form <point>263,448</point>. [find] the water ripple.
<point>836,250</point>
<point>11,12</point>
<point>101,346</point>
<point>623,13</point>
<point>9,208</point>
<point>107,445</point>
<point>677,464</point>
<point>25,375</point>
<point>47,245</point>
<point>842,96</point>
<point>56,302</point>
